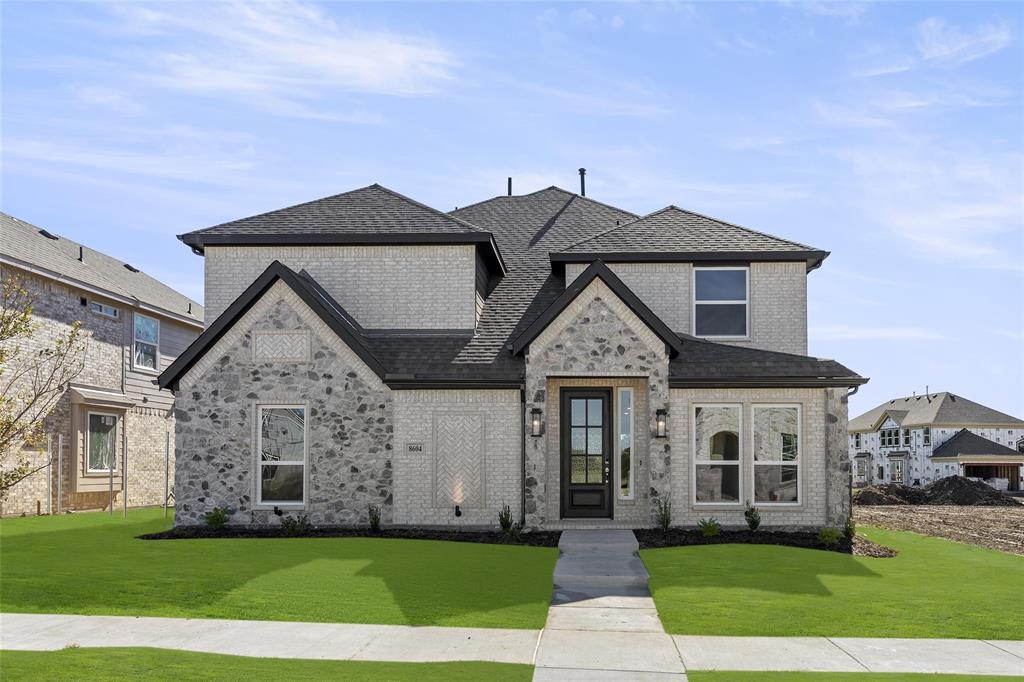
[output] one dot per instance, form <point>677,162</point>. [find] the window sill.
<point>286,506</point>
<point>145,370</point>
<point>724,338</point>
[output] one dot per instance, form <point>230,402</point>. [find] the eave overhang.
<point>813,259</point>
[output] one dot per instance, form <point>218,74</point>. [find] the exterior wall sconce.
<point>536,423</point>
<point>458,512</point>
<point>661,423</point>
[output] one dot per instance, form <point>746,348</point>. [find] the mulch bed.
<point>531,539</point>
<point>679,537</point>
<point>952,490</point>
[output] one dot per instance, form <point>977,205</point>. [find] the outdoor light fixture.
<point>661,422</point>
<point>458,512</point>
<point>536,425</point>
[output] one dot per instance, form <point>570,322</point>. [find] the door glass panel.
<point>579,412</point>
<point>594,412</point>
<point>595,444</point>
<point>595,469</point>
<point>579,469</point>
<point>579,441</point>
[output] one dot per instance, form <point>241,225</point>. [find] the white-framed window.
<point>721,299</point>
<point>856,440</point>
<point>906,438</point>
<point>716,454</point>
<point>146,346</point>
<point>281,448</point>
<point>103,309</point>
<point>861,468</point>
<point>624,449</point>
<point>927,436</point>
<point>775,433</point>
<point>101,442</point>
<point>896,470</point>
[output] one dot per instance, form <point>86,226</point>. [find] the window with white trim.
<point>103,309</point>
<point>896,470</point>
<point>856,440</point>
<point>281,447</point>
<point>776,433</point>
<point>906,438</point>
<point>927,436</point>
<point>721,302</point>
<point>624,449</point>
<point>716,454</point>
<point>146,348</point>
<point>101,442</point>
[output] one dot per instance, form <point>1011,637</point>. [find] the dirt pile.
<point>954,490</point>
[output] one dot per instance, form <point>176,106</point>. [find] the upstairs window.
<point>906,438</point>
<point>145,353</point>
<point>856,440</point>
<point>927,436</point>
<point>721,302</point>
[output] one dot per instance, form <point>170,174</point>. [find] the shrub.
<point>664,514</point>
<point>505,519</point>
<point>709,528</point>
<point>752,516</point>
<point>216,517</point>
<point>850,529</point>
<point>295,525</point>
<point>829,536</point>
<point>374,512</point>
<point>514,531</point>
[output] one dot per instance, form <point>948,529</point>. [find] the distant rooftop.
<point>933,409</point>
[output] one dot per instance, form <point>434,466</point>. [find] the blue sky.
<point>888,134</point>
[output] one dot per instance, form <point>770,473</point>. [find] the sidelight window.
<point>624,448</point>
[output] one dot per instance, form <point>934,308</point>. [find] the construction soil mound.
<point>955,490</point>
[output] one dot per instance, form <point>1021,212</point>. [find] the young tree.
<point>32,380</point>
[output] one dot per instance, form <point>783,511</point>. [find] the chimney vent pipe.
<point>583,182</point>
<point>510,186</point>
<point>81,254</point>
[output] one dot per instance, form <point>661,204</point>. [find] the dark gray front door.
<point>586,453</point>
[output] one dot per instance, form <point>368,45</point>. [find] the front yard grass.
<point>165,664</point>
<point>934,588</point>
<point>92,563</point>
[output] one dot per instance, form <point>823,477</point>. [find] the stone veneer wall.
<point>382,287</point>
<point>457,447</point>
<point>596,336</point>
<point>825,477</point>
<point>349,421</point>
<point>778,299</point>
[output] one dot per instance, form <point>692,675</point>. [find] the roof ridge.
<point>617,227</point>
<point>436,211</point>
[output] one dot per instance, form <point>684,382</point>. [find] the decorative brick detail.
<point>282,346</point>
<point>459,451</point>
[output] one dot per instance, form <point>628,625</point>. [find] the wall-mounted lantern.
<point>536,423</point>
<point>458,510</point>
<point>661,423</point>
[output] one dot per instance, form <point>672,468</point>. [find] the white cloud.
<point>850,11</point>
<point>108,98</point>
<point>597,105</point>
<point>940,42</point>
<point>616,22</point>
<point>850,117</point>
<point>846,332</point>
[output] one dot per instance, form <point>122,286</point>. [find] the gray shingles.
<point>23,242</point>
<point>934,409</point>
<point>965,442</point>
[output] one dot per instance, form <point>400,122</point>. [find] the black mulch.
<point>532,539</point>
<point>679,537</point>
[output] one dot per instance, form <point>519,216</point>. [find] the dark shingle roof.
<point>933,409</point>
<point>965,442</point>
<point>674,232</point>
<point>25,245</point>
<point>720,364</point>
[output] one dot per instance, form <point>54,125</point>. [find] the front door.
<point>586,453</point>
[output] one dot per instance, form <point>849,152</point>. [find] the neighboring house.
<point>572,360</point>
<point>922,438</point>
<point>136,327</point>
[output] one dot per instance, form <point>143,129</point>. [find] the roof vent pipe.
<point>81,254</point>
<point>583,182</point>
<point>510,186</point>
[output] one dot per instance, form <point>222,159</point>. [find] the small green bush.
<point>830,536</point>
<point>374,512</point>
<point>295,525</point>
<point>850,529</point>
<point>752,516</point>
<point>709,528</point>
<point>505,519</point>
<point>216,517</point>
<point>664,514</point>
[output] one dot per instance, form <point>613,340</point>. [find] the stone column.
<point>838,482</point>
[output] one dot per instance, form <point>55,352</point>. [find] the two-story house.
<point>918,439</point>
<point>135,326</point>
<point>577,362</point>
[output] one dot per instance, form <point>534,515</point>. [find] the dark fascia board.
<point>274,272</point>
<point>813,258</point>
<point>768,382</point>
<point>598,270</point>
<point>198,240</point>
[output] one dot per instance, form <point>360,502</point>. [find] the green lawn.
<point>934,588</point>
<point>91,563</point>
<point>165,664</point>
<point>728,676</point>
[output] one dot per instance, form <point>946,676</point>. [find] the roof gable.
<point>598,270</point>
<point>934,409</point>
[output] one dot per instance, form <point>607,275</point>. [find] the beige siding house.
<point>136,327</point>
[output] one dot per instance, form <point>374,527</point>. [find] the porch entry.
<point>586,452</point>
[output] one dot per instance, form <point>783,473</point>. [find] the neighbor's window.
<point>1020,445</point>
<point>147,342</point>
<point>776,454</point>
<point>625,448</point>
<point>282,449</point>
<point>856,440</point>
<point>906,438</point>
<point>103,309</point>
<point>716,430</point>
<point>101,441</point>
<point>862,468</point>
<point>896,470</point>
<point>927,436</point>
<point>720,302</point>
